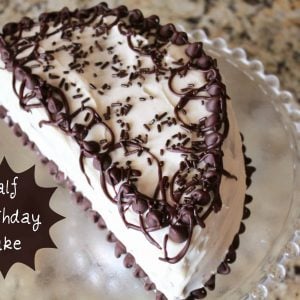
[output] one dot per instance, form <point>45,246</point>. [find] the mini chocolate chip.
<point>41,91</point>
<point>135,17</point>
<point>65,14</point>
<point>213,105</point>
<point>77,197</point>
<point>199,293</point>
<point>210,159</point>
<point>101,223</point>
<point>140,206</point>
<point>84,203</point>
<point>26,23</point>
<point>297,270</point>
<point>186,215</point>
<point>171,212</point>
<point>246,213</point>
<point>60,177</point>
<point>223,268</point>
<point>179,38</point>
<point>20,73</point>
<point>248,199</point>
<point>121,11</point>
<point>139,272</point>
<point>235,243</point>
<point>153,218</point>
<point>152,21</point>
<point>106,161</point>
<point>194,50</point>
<point>79,131</point>
<point>25,140</point>
<point>214,89</point>
<point>31,81</point>
<point>212,74</point>
<point>91,147</point>
<point>160,296</point>
<point>248,160</point>
<point>114,175</point>
<point>54,105</point>
<point>17,130</point>
<point>128,188</point>
<point>201,197</point>
<point>211,283</point>
<point>119,249</point>
<point>177,195</point>
<point>92,213</point>
<point>211,175</point>
<point>111,237</point>
<point>149,285</point>
<point>213,139</point>
<point>10,28</point>
<point>248,181</point>
<point>166,31</point>
<point>129,261</point>
<point>46,17</point>
<point>230,257</point>
<point>212,120</point>
<point>10,121</point>
<point>103,6</point>
<point>43,17</point>
<point>102,161</point>
<point>242,228</point>
<point>83,13</point>
<point>183,165</point>
<point>52,167</point>
<point>5,55</point>
<point>3,112</point>
<point>204,62</point>
<point>250,170</point>
<point>178,233</point>
<point>45,160</point>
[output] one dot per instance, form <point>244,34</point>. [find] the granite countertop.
<point>269,30</point>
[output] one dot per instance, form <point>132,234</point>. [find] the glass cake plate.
<point>84,267</point>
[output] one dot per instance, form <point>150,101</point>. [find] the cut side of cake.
<point>137,117</point>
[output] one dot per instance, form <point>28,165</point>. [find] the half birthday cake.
<point>137,117</point>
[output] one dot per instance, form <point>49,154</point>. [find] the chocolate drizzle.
<point>194,189</point>
<point>129,260</point>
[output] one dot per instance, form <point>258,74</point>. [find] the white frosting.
<point>209,245</point>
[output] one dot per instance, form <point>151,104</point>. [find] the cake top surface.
<point>143,103</point>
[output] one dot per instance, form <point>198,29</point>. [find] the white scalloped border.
<point>291,109</point>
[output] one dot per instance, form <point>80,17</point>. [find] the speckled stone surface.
<point>267,29</point>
